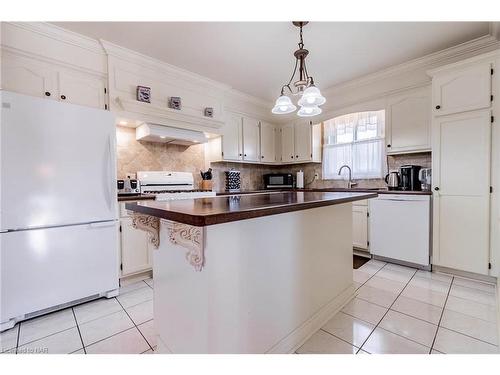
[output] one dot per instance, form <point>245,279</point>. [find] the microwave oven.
<point>279,180</point>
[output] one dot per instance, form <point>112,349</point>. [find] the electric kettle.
<point>392,180</point>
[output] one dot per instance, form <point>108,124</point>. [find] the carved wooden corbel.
<point>189,237</point>
<point>149,224</point>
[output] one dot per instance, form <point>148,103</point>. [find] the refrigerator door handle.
<point>101,224</point>
<point>108,177</point>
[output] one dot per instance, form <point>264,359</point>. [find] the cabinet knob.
<point>240,154</point>
<point>63,97</point>
<point>291,156</point>
<point>262,156</point>
<point>389,146</point>
<point>438,107</point>
<point>296,156</point>
<point>245,155</point>
<point>47,93</point>
<point>436,188</point>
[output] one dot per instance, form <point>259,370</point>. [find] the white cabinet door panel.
<point>82,89</point>
<point>463,239</point>
<point>134,247</point>
<point>251,139</point>
<point>287,143</point>
<point>267,142</point>
<point>231,139</point>
<point>462,146</point>
<point>461,173</point>
<point>464,90</point>
<point>26,76</point>
<point>360,227</point>
<point>409,122</point>
<point>303,135</point>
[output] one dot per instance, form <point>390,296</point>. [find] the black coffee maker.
<point>409,178</point>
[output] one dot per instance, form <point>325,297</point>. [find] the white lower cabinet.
<point>360,225</point>
<point>136,252</point>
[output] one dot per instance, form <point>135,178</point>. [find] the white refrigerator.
<point>58,216</point>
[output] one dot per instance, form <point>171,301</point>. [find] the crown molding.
<point>229,92</point>
<point>147,61</point>
<point>484,57</point>
<point>60,34</point>
<point>495,30</point>
<point>461,51</point>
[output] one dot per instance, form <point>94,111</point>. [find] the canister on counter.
<point>233,180</point>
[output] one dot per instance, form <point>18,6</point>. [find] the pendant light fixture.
<point>311,97</point>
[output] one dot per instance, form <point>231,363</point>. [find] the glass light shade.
<point>311,97</point>
<point>283,105</point>
<point>309,111</point>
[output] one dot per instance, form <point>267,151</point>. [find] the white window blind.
<point>355,139</point>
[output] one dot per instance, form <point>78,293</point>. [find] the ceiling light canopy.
<point>311,97</point>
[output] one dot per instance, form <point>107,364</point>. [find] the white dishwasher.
<point>400,228</point>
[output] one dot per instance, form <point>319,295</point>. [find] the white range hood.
<point>168,134</point>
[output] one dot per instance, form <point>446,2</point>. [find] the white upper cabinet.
<point>287,143</point>
<point>37,78</point>
<point>27,76</point>
<point>251,139</point>
<point>232,138</point>
<point>267,142</point>
<point>303,141</point>
<point>300,142</point>
<point>408,122</point>
<point>81,89</point>
<point>316,143</point>
<point>462,90</point>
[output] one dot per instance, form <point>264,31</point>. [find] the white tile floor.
<point>397,310</point>
<point>401,310</point>
<point>117,325</point>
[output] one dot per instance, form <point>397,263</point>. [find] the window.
<point>355,139</point>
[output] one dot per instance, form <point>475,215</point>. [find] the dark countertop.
<point>135,197</point>
<point>335,190</point>
<point>223,209</point>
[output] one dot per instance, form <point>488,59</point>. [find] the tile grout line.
<point>18,334</point>
<point>135,325</point>
<point>356,296</point>
<point>388,309</point>
<point>341,339</point>
<point>442,313</point>
<point>49,335</point>
<point>79,333</point>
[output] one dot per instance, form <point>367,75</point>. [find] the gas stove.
<point>167,185</point>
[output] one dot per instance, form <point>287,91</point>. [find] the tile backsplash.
<point>133,156</point>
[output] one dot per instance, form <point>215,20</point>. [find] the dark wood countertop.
<point>135,197</point>
<point>223,209</point>
<point>336,190</point>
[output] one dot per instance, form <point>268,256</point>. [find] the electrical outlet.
<point>131,175</point>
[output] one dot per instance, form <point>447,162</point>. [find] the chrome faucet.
<point>350,183</point>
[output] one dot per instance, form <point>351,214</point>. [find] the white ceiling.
<point>257,57</point>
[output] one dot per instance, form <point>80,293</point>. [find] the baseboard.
<point>161,348</point>
<point>402,263</point>
<point>361,253</point>
<point>300,335</point>
<point>130,279</point>
<point>467,275</point>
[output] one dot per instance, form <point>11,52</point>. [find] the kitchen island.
<point>254,273</point>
